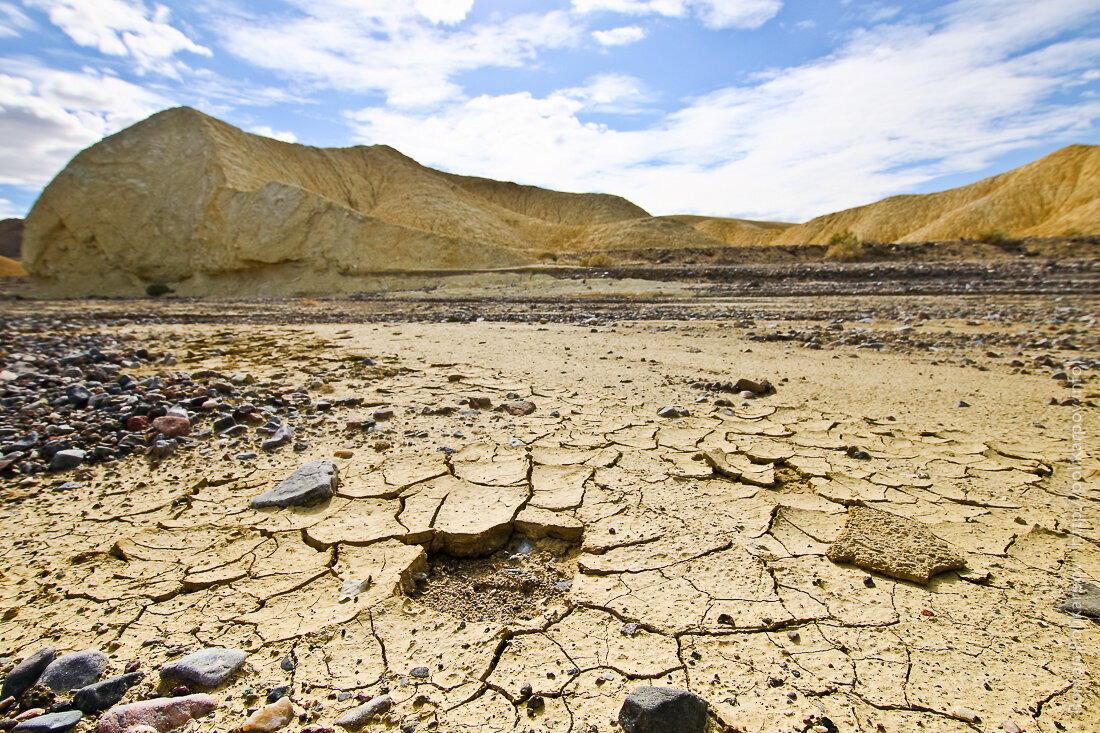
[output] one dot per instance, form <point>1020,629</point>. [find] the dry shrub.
<point>597,260</point>
<point>845,247</point>
<point>994,236</point>
<point>307,302</point>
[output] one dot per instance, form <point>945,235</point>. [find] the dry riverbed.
<point>884,540</point>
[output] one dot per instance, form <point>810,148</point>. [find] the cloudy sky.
<point>769,109</point>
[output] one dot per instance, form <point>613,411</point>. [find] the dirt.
<point>939,411</point>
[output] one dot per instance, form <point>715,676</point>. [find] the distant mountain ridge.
<point>192,203</point>
<point>1058,194</point>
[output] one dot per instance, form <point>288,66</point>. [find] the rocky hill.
<point>189,202</point>
<point>1054,196</point>
<point>184,202</point>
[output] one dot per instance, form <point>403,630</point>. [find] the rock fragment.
<point>162,714</point>
<point>1083,600</point>
<point>75,670</point>
<point>205,668</point>
<point>663,710</point>
<point>357,718</point>
<point>23,675</point>
<point>518,407</point>
<point>63,460</point>
<point>49,723</point>
<point>100,696</point>
<point>270,717</point>
<point>892,545</point>
<point>312,483</point>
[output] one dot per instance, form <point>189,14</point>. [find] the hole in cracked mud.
<point>518,582</point>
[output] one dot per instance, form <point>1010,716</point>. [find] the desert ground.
<point>552,492</point>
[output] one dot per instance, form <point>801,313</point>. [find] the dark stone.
<point>205,668</point>
<point>78,394</point>
<point>277,693</point>
<point>73,671</point>
<point>98,697</point>
<point>663,710</point>
<point>22,445</point>
<point>420,672</point>
<point>1083,600</point>
<point>312,483</point>
<point>49,723</point>
<point>64,460</point>
<point>283,434</point>
<point>23,675</point>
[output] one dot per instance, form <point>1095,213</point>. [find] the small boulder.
<point>205,668</point>
<point>312,483</point>
<point>663,710</point>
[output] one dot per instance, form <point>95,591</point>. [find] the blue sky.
<point>768,109</point>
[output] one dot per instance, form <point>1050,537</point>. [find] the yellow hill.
<point>11,268</point>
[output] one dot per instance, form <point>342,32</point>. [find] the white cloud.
<point>715,14</point>
<point>389,47</point>
<point>8,210</point>
<point>13,20</point>
<point>899,105</point>
<point>444,11</point>
<point>616,93</point>
<point>122,28</point>
<point>266,131</point>
<point>47,116</point>
<point>619,36</point>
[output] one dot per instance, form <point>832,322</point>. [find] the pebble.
<point>1011,727</point>
<point>50,722</point>
<point>965,713</point>
<point>205,668</point>
<point>312,483</point>
<point>672,411</point>
<point>23,675</point>
<point>518,407</point>
<point>270,717</point>
<point>73,671</point>
<point>356,718</point>
<point>420,672</point>
<point>283,435</point>
<point>172,426</point>
<point>64,460</point>
<point>161,714</point>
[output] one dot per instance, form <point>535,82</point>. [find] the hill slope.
<point>1053,196</point>
<point>192,202</point>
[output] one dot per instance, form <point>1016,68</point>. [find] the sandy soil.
<point>621,548</point>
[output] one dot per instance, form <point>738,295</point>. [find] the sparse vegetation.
<point>994,236</point>
<point>598,260</point>
<point>547,257</point>
<point>155,290</point>
<point>845,246</point>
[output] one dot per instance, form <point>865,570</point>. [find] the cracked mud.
<point>855,546</point>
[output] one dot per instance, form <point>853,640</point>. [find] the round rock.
<point>663,710</point>
<point>74,671</point>
<point>204,668</point>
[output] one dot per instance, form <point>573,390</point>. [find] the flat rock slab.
<point>663,710</point>
<point>50,722</point>
<point>23,675</point>
<point>312,483</point>
<point>206,667</point>
<point>73,671</point>
<point>892,545</point>
<point>162,714</point>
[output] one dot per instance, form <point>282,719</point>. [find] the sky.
<point>762,109</point>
